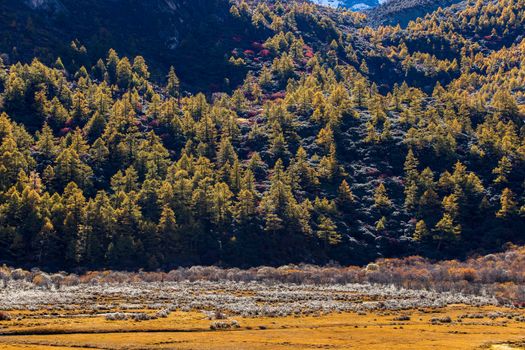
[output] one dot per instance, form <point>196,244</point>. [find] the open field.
<point>390,304</point>
<point>252,315</point>
<point>191,330</point>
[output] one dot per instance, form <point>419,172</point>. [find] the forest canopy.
<point>343,143</point>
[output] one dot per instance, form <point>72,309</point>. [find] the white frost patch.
<point>248,299</point>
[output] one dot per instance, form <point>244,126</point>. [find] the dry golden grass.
<point>191,330</point>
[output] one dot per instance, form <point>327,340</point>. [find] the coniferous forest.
<point>314,136</point>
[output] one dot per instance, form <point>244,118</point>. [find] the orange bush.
<point>463,273</point>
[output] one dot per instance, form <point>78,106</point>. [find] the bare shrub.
<point>5,275</point>
<point>443,319</point>
<point>70,280</point>
<point>472,316</point>
<point>222,325</point>
<point>116,316</point>
<point>402,318</point>
<point>42,281</point>
<point>372,267</point>
<point>57,279</point>
<point>163,313</point>
<point>215,315</point>
<point>19,274</point>
<point>141,316</point>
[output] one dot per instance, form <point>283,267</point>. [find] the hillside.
<point>192,35</point>
<point>285,133</point>
<point>394,12</point>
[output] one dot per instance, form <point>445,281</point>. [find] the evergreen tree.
<point>173,85</point>
<point>381,199</point>
<point>327,231</point>
<point>124,73</point>
<point>169,236</point>
<point>509,206</point>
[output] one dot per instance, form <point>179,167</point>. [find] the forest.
<point>343,143</point>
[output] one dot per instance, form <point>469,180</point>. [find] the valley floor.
<point>191,330</point>
<point>250,315</point>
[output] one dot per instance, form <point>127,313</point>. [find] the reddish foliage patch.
<point>264,53</point>
<point>65,131</point>
<point>278,95</point>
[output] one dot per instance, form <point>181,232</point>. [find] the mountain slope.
<point>394,12</point>
<point>343,142</point>
<point>191,35</point>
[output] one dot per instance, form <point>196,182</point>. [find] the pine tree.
<point>70,168</point>
<point>100,71</point>
<point>327,231</point>
<point>125,246</point>
<point>381,199</point>
<point>221,204</point>
<point>303,174</point>
<point>411,176</point>
<point>173,85</point>
<point>45,243</point>
<point>12,161</point>
<point>509,206</point>
<point>345,198</point>
<point>381,224</point>
<point>279,147</point>
<point>325,138</point>
<point>46,145</point>
<point>101,221</point>
<point>169,236</point>
<point>329,167</point>
<point>74,204</point>
<point>140,68</point>
<point>446,230</point>
<point>246,207</point>
<point>95,126</point>
<point>126,181</point>
<point>502,171</point>
<point>505,103</point>
<point>124,73</point>
<point>421,232</point>
<point>111,66</point>
<point>80,109</point>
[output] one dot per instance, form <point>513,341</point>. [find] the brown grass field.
<point>191,330</point>
<point>392,304</point>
